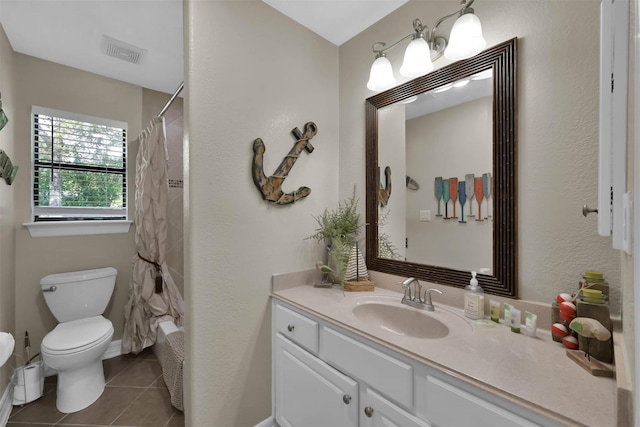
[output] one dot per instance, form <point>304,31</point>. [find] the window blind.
<point>79,167</point>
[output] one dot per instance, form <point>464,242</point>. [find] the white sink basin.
<point>386,315</point>
<point>7,343</point>
<point>401,321</point>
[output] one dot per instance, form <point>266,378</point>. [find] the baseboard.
<point>6,404</point>
<point>269,422</point>
<point>114,350</point>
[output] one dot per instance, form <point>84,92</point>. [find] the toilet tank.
<point>78,294</point>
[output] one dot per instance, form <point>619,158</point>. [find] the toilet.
<point>76,345</point>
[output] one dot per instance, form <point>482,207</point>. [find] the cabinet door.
<point>448,405</point>
<point>311,393</point>
<point>379,412</point>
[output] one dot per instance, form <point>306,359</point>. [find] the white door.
<point>310,393</point>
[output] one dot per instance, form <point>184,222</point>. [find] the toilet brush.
<point>27,346</point>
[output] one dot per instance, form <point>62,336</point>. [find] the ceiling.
<point>70,32</point>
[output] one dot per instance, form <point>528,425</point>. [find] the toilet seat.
<point>77,335</point>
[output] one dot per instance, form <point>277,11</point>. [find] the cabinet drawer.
<point>378,411</point>
<point>448,405</point>
<point>298,328</point>
<point>384,373</point>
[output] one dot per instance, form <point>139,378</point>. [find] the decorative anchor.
<point>271,187</point>
<point>385,192</point>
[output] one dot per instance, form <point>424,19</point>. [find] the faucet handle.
<point>427,294</point>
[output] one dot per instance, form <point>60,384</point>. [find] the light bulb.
<point>443,88</point>
<point>381,75</point>
<point>417,59</point>
<point>466,38</point>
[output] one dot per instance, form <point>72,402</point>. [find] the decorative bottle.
<point>474,299</point>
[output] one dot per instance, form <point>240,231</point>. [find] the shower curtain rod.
<point>175,94</point>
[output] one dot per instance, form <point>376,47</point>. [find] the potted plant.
<point>338,230</point>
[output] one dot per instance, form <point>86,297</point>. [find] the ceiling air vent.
<point>121,50</point>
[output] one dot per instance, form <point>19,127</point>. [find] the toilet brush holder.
<point>28,382</point>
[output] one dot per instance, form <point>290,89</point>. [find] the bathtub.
<point>169,349</point>
<point>165,328</point>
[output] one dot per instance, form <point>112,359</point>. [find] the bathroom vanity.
<point>341,359</point>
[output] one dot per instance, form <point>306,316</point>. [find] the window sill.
<point>76,228</point>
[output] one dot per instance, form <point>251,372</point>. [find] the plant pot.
<point>338,250</point>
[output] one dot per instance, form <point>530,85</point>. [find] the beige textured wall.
<point>558,83</point>
<point>7,205</point>
<point>250,72</point>
<point>152,103</point>
<point>50,85</point>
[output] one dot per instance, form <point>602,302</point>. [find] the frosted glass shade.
<point>417,59</point>
<point>466,38</point>
<point>381,76</point>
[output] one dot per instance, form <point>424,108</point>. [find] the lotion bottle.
<point>474,299</point>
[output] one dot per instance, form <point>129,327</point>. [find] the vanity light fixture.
<point>410,100</point>
<point>465,41</point>
<point>443,88</point>
<point>482,75</point>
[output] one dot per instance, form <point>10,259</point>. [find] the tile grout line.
<point>142,390</point>
<point>134,400</point>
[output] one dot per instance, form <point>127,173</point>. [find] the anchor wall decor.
<point>385,192</point>
<point>271,187</point>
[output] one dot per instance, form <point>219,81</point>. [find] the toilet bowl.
<point>75,347</point>
<point>75,350</point>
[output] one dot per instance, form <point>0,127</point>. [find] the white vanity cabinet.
<point>309,392</point>
<point>327,376</point>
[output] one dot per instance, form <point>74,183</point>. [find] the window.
<point>79,167</point>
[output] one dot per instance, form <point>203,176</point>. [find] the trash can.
<point>28,383</point>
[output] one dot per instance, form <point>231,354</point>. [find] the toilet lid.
<point>77,333</point>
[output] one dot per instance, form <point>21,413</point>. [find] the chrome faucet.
<point>416,299</point>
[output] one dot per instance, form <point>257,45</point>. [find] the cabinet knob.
<point>368,411</point>
<point>346,399</point>
<point>290,328</point>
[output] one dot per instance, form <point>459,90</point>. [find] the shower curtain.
<point>153,295</point>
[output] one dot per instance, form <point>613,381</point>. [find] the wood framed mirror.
<point>501,278</point>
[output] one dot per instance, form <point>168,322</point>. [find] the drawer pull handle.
<point>290,328</point>
<point>346,399</point>
<point>368,411</point>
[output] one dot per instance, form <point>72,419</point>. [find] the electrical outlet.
<point>425,215</point>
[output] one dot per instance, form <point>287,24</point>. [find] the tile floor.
<point>135,396</point>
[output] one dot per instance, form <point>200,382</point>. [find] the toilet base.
<point>79,388</point>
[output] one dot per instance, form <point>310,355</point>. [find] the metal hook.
<point>586,210</point>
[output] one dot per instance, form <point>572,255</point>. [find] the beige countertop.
<point>532,372</point>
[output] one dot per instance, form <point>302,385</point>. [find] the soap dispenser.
<point>474,299</point>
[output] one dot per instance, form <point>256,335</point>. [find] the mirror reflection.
<point>438,147</point>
